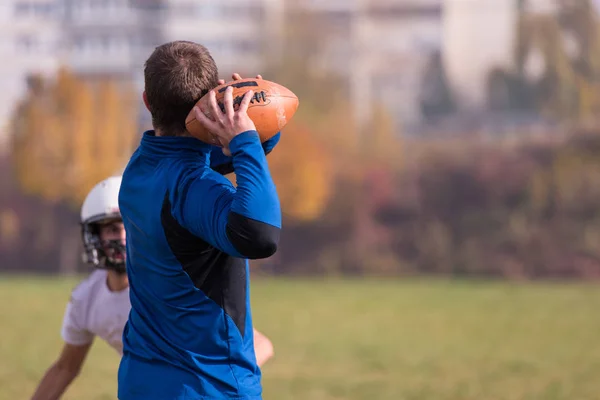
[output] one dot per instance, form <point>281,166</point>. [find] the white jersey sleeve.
<point>74,329</point>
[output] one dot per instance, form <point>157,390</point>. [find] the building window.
<point>22,9</point>
<point>25,8</point>
<point>45,9</point>
<point>149,5</point>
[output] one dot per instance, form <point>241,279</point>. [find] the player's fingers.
<point>228,101</point>
<point>259,77</point>
<point>246,101</point>
<point>206,122</point>
<point>214,109</point>
<point>221,82</point>
<point>236,76</point>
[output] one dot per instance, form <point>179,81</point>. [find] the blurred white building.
<point>380,47</point>
<point>235,31</point>
<point>100,37</point>
<point>479,35</point>
<point>114,37</point>
<point>29,42</point>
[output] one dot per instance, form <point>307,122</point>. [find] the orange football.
<point>271,107</point>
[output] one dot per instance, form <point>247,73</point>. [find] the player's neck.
<point>159,132</point>
<point>116,282</point>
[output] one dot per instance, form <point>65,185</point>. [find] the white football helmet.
<point>100,206</point>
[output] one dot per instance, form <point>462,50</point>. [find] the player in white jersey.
<point>99,305</point>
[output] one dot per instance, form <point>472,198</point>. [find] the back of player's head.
<point>176,75</point>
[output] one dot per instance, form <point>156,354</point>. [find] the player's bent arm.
<point>255,217</point>
<point>243,222</point>
<point>263,348</point>
<point>64,370</point>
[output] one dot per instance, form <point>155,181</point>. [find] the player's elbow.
<point>263,248</point>
<point>252,239</point>
<point>268,350</point>
<point>261,244</point>
<point>263,348</point>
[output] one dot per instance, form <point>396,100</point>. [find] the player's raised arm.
<point>244,222</point>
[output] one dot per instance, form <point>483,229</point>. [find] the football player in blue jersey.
<point>190,234</point>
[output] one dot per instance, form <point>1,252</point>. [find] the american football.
<point>271,107</point>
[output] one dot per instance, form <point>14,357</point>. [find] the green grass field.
<point>375,340</point>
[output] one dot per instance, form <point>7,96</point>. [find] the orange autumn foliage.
<point>302,171</point>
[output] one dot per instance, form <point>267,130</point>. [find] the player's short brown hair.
<point>176,75</point>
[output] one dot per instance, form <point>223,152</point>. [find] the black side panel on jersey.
<point>221,277</point>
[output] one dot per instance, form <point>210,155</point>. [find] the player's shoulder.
<point>186,177</point>
<point>131,164</point>
<point>88,287</point>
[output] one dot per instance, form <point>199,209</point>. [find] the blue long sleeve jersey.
<point>190,233</point>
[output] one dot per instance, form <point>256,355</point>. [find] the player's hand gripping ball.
<point>272,106</point>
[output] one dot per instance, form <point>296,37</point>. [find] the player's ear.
<point>146,101</point>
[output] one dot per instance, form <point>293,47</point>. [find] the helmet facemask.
<point>103,254</point>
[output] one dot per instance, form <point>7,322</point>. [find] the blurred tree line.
<point>67,135</point>
<point>355,201</point>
